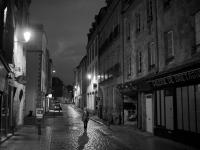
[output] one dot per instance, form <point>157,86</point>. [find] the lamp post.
<point>27,35</point>
<point>89,76</point>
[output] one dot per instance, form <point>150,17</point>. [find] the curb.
<point>97,121</point>
<point>2,140</point>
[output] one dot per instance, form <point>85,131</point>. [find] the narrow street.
<point>66,133</point>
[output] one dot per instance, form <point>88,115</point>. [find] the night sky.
<point>66,23</point>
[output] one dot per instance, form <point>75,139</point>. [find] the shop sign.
<point>39,113</point>
<point>177,78</point>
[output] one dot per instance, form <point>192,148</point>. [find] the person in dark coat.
<point>85,118</point>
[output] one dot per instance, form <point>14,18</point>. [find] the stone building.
<point>80,85</point>
<point>110,67</point>
<point>92,67</point>
<point>165,67</point>
<point>176,85</point>
<point>13,21</point>
<point>37,70</point>
<point>139,60</point>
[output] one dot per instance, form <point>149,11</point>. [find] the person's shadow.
<point>82,140</point>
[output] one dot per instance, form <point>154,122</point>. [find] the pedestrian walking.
<point>85,118</point>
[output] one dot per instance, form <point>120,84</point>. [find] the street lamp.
<point>27,35</point>
<point>89,76</point>
<point>22,36</point>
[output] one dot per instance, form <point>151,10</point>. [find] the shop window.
<point>165,110</point>
<point>197,94</point>
<point>188,107</point>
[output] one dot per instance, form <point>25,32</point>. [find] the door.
<point>169,112</point>
<point>149,118</point>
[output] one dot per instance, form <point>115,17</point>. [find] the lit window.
<point>5,15</point>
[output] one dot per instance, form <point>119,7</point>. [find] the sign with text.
<point>39,113</point>
<point>177,78</point>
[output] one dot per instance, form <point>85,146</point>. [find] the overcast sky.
<point>66,23</point>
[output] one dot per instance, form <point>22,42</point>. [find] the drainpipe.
<point>157,47</point>
<point>122,17</point>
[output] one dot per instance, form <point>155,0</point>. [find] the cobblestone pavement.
<point>66,133</point>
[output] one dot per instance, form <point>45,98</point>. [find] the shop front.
<point>177,104</point>
<point>5,104</point>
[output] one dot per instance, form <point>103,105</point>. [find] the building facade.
<point>139,61</point>
<point>148,65</point>
<point>165,66</point>
<point>110,61</point>
<point>37,70</point>
<point>13,21</point>
<point>176,86</point>
<point>92,68</point>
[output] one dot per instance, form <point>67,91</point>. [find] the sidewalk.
<point>28,138</point>
<point>133,137</point>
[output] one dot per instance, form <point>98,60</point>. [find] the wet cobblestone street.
<point>68,133</point>
<point>65,132</point>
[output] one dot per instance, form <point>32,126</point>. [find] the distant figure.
<point>85,118</point>
<point>30,113</point>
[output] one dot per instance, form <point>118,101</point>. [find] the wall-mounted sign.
<point>39,113</point>
<point>177,78</point>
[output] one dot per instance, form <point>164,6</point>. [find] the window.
<point>96,47</point>
<point>128,30</point>
<point>129,66</point>
<point>5,15</point>
<point>138,27</point>
<point>197,28</point>
<point>149,11</point>
<point>166,4</point>
<point>139,62</point>
<point>151,55</point>
<point>169,45</point>
<point>188,108</point>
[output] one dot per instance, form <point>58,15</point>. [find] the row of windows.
<point>93,51</point>
<point>139,59</point>
<point>168,45</point>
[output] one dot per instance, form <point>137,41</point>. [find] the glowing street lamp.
<point>27,35</point>
<point>89,76</point>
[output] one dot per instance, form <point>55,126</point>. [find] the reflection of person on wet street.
<point>85,118</point>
